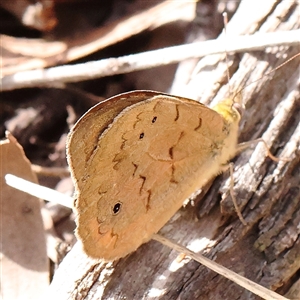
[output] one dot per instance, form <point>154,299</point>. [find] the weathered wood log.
<point>267,250</point>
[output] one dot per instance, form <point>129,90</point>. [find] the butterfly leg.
<point>231,191</point>
<point>234,201</point>
<point>242,146</point>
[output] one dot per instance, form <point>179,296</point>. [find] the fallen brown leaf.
<point>24,262</point>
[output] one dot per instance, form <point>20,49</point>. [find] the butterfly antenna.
<point>270,72</point>
<point>225,20</point>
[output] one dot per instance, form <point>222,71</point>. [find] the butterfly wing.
<point>135,159</point>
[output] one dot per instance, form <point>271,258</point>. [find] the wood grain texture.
<point>266,251</point>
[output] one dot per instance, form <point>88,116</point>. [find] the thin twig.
<point>38,190</point>
<point>238,279</point>
<point>51,195</point>
<point>150,59</point>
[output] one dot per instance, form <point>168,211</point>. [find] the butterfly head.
<point>230,109</point>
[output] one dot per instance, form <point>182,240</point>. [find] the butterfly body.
<point>136,157</point>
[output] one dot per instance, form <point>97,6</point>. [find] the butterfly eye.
<point>239,107</point>
<point>154,119</point>
<point>116,209</point>
<point>142,135</point>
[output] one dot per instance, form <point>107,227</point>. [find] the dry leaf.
<point>24,261</point>
<point>21,54</point>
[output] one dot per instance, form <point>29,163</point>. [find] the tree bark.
<point>267,250</point>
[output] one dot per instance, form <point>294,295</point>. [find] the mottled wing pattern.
<point>141,160</point>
